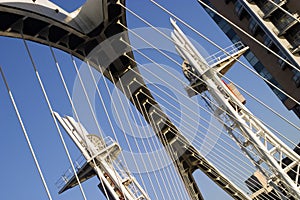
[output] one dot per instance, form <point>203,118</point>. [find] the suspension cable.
<point>52,114</point>
<point>26,135</point>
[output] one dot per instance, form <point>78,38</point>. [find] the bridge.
<point>97,34</point>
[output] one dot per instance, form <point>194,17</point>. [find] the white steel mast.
<point>246,130</point>
<point>101,160</point>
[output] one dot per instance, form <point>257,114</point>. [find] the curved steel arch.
<point>79,33</point>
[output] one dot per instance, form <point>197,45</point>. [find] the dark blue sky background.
<point>19,177</point>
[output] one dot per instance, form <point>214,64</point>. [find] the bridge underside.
<point>121,70</point>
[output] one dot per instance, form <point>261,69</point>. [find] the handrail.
<point>79,162</point>
<point>221,54</point>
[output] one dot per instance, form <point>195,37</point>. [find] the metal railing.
<point>268,8</point>
<point>285,22</point>
<point>69,173</point>
<point>220,55</point>
<point>108,141</point>
<point>79,162</point>
<point>296,40</point>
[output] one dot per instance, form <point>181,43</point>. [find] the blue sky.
<point>19,177</point>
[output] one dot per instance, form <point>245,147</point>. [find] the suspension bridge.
<point>134,123</point>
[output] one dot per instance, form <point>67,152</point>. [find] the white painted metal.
<point>247,131</point>
<point>101,155</point>
<point>84,19</point>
